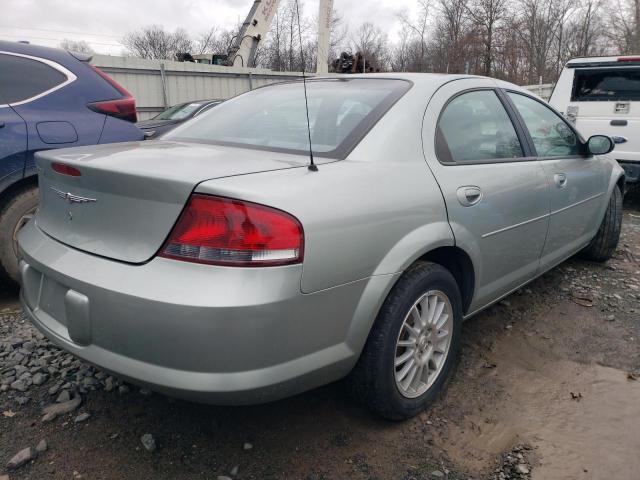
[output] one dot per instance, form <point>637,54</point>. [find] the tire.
<point>374,380</point>
<point>605,242</point>
<point>15,214</point>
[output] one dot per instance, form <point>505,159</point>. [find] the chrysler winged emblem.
<point>71,198</point>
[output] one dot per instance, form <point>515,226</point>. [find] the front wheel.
<point>413,345</point>
<point>605,242</point>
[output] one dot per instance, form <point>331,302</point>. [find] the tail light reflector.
<point>64,169</point>
<point>222,231</point>
<point>123,108</point>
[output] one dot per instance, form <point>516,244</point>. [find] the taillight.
<point>629,59</point>
<point>123,108</point>
<point>64,169</point>
<point>222,231</point>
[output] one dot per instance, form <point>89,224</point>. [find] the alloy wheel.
<point>423,343</point>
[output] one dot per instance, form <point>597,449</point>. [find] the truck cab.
<point>602,95</point>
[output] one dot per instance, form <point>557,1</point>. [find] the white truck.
<point>602,95</point>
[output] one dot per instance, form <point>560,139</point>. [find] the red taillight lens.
<point>222,231</point>
<point>629,59</point>
<point>64,169</point>
<point>124,108</point>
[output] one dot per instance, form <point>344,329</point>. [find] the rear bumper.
<point>212,334</point>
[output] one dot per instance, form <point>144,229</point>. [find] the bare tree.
<point>486,16</point>
<point>417,30</point>
<point>453,27</point>
<point>153,42</point>
<point>286,46</point>
<point>373,45</point>
<point>214,41</point>
<point>80,46</point>
<point>624,25</point>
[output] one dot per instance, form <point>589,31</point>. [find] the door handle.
<point>469,196</point>
<point>560,180</point>
<point>1,124</point>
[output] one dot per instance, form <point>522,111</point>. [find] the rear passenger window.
<point>475,126</point>
<point>600,84</point>
<point>23,78</point>
<point>551,135</point>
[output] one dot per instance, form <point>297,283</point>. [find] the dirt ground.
<point>551,369</point>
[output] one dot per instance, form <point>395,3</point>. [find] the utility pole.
<point>324,36</point>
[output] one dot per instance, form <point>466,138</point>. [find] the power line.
<point>62,31</point>
<point>58,39</point>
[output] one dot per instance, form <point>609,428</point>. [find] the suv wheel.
<point>413,346</point>
<point>16,213</point>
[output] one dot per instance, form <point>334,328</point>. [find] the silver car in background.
<point>216,266</point>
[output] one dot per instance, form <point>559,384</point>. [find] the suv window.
<point>475,126</point>
<point>551,135</point>
<point>606,85</point>
<point>23,78</point>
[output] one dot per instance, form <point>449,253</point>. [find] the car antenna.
<point>312,166</point>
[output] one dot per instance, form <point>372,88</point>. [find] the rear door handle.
<point>560,180</point>
<point>1,124</point>
<point>469,195</point>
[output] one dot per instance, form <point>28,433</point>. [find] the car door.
<point>496,193</point>
<point>577,181</point>
<point>13,143</point>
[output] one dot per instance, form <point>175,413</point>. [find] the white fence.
<point>158,84</point>
<point>543,90</point>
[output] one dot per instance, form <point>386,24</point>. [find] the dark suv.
<point>49,98</point>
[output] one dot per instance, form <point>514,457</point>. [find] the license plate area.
<point>61,309</point>
<point>52,297</point>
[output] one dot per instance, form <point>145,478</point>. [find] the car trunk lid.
<point>128,196</point>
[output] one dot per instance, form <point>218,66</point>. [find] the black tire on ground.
<point>372,381</point>
<point>605,242</point>
<point>12,218</point>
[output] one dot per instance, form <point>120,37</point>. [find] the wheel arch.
<point>621,183</point>
<point>454,259</point>
<point>16,187</point>
<point>459,264</point>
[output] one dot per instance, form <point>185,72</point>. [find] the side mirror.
<point>600,145</point>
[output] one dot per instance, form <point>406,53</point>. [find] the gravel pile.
<point>514,465</point>
<point>29,360</point>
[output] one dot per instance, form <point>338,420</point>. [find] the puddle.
<point>593,436</point>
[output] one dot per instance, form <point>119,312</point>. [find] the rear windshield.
<point>341,111</point>
<point>610,84</point>
<point>178,112</point>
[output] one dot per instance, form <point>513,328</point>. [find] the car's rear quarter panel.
<point>373,213</point>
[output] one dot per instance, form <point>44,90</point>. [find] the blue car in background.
<point>49,98</point>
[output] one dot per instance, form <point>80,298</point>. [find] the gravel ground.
<point>549,379</point>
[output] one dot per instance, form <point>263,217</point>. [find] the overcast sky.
<point>104,22</point>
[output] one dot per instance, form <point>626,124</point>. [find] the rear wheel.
<point>605,242</point>
<point>413,346</point>
<point>16,213</point>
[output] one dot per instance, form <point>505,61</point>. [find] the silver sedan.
<point>226,264</point>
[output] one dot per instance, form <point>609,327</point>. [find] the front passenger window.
<point>475,126</point>
<point>551,135</point>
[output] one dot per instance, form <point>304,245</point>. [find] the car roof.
<point>424,80</point>
<point>56,54</point>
